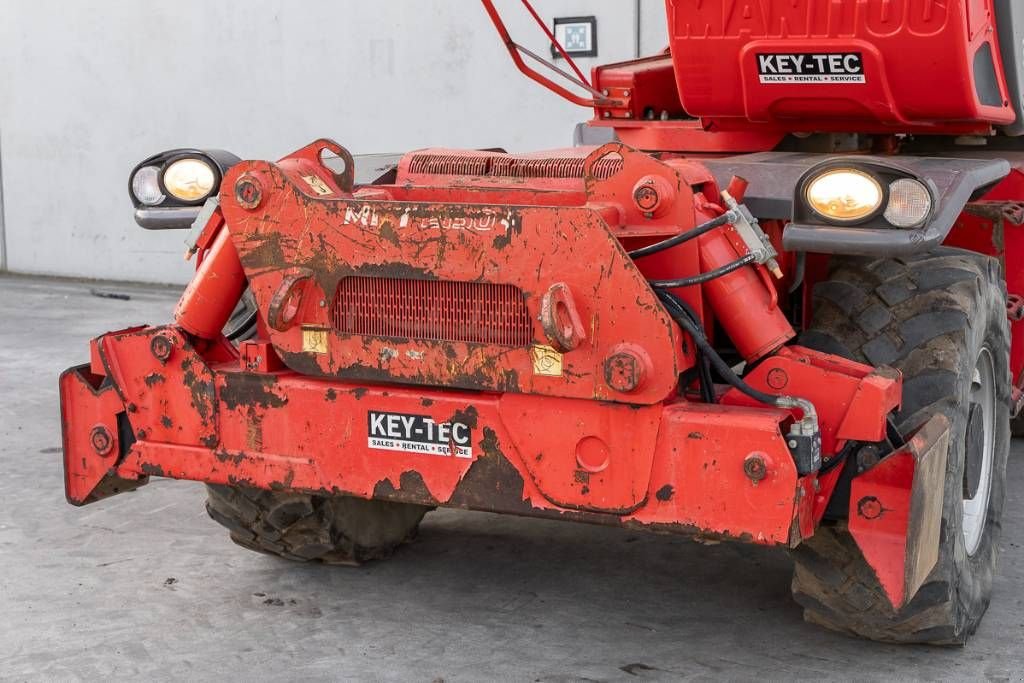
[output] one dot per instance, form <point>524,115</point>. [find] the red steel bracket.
<point>896,511</point>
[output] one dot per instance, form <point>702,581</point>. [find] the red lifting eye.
<point>560,320</point>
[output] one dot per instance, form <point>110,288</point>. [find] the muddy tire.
<point>940,319</point>
<point>301,527</point>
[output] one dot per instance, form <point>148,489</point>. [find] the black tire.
<point>929,316</point>
<point>302,527</point>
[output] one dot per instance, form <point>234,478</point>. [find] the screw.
<point>793,443</point>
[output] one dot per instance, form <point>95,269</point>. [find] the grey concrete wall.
<point>89,89</point>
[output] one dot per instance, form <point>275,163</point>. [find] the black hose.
<point>703,277</point>
<point>677,309</point>
<point>680,238</point>
<point>704,379</point>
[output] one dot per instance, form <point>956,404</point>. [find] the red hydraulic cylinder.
<point>744,302</point>
<point>211,296</point>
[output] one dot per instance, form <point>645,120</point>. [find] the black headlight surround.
<point>173,213</point>
<point>219,160</point>
<point>883,174</point>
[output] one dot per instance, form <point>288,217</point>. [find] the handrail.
<point>516,51</point>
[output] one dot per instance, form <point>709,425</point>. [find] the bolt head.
<point>248,192</point>
<point>755,466</point>
<point>624,371</point>
<point>101,440</point>
<point>870,507</point>
<point>161,347</point>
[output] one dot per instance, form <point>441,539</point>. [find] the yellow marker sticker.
<point>546,361</point>
<point>314,340</point>
<point>317,185</point>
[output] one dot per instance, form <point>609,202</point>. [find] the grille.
<point>509,166</point>
<point>434,310</point>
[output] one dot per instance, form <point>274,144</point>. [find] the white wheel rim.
<point>983,394</point>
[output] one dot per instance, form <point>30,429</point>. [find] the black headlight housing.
<point>889,177</point>
<point>161,210</point>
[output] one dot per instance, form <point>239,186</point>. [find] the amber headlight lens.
<point>844,195</point>
<point>910,203</point>
<point>190,179</point>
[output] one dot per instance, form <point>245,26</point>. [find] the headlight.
<point>910,203</point>
<point>146,185</point>
<point>190,179</point>
<point>844,195</point>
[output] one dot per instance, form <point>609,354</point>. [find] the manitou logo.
<point>804,18</point>
<point>484,221</point>
<point>418,434</point>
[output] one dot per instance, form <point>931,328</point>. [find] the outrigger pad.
<point>896,511</point>
<point>92,438</point>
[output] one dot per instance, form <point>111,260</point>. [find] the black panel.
<point>986,84</point>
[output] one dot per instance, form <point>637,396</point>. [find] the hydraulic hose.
<point>703,277</point>
<point>706,383</point>
<point>727,217</point>
<point>677,309</point>
<point>804,435</point>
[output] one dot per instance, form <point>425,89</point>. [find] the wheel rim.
<point>983,408</point>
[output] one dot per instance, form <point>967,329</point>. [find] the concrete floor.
<point>145,585</point>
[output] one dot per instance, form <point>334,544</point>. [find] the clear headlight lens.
<point>844,195</point>
<point>146,185</point>
<point>910,203</point>
<point>190,179</point>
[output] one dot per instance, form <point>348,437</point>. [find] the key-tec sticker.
<point>418,434</point>
<point>811,67</point>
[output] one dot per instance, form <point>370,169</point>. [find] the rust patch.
<point>149,469</point>
<point>331,395</point>
<point>247,389</point>
<point>468,416</point>
<point>665,493</point>
<point>166,422</point>
<point>201,387</point>
<point>153,379</point>
<point>226,457</point>
<point>411,489</point>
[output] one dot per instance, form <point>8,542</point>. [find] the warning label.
<point>418,434</point>
<point>811,67</point>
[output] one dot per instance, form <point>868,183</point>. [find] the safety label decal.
<point>418,434</point>
<point>811,67</point>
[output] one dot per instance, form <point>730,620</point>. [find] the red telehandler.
<point>774,296</point>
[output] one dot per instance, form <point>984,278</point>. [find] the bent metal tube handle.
<point>213,293</point>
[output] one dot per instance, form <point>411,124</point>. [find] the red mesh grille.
<point>436,310</point>
<point>509,166</point>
